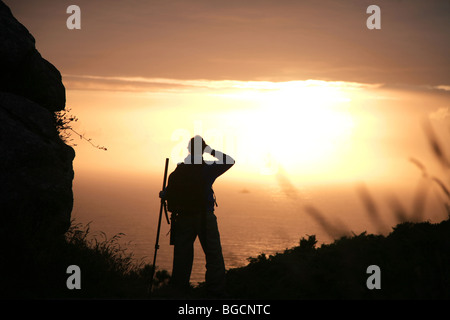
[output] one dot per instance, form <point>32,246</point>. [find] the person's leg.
<point>183,252</point>
<point>215,266</point>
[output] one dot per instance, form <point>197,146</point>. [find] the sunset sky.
<point>302,86</point>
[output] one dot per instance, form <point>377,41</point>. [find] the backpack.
<point>186,189</point>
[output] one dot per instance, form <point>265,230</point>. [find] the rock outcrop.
<point>23,70</point>
<point>36,171</point>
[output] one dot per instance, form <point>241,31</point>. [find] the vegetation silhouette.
<point>413,258</point>
<point>35,268</point>
<point>63,122</point>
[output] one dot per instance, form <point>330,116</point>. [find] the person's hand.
<point>162,194</point>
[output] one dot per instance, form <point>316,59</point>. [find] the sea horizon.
<point>253,218</point>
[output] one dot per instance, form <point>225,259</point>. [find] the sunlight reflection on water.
<point>252,220</point>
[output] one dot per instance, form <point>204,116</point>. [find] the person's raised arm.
<point>223,162</point>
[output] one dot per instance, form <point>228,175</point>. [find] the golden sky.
<point>298,85</point>
<point>245,40</point>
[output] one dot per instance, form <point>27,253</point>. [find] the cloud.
<point>442,87</point>
<point>142,84</point>
<point>246,40</point>
<point>440,114</point>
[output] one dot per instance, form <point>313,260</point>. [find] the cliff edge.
<point>36,171</point>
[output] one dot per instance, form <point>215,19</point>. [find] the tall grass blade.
<point>398,210</point>
<point>419,200</point>
<point>436,145</point>
<point>442,185</point>
<point>419,165</point>
<point>332,231</point>
<point>291,192</point>
<point>371,208</point>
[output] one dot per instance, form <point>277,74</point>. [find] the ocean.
<point>253,217</point>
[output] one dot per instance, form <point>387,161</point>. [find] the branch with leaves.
<point>63,122</point>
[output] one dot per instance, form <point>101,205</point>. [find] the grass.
<point>414,260</point>
<point>413,256</point>
<point>37,269</point>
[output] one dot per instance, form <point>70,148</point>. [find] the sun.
<point>296,124</point>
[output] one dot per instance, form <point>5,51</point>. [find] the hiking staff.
<point>163,206</point>
<point>190,199</point>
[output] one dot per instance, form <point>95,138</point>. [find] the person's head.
<point>197,146</point>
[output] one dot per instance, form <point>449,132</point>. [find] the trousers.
<point>185,229</point>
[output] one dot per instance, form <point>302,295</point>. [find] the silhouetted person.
<point>190,198</point>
